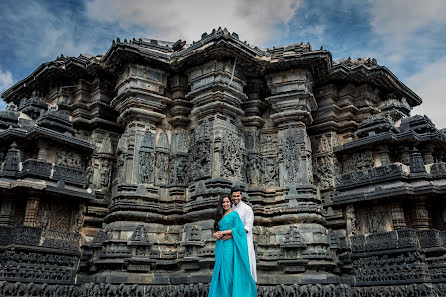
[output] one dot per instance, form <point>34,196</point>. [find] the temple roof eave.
<point>379,76</point>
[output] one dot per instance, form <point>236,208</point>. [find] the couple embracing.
<point>235,263</point>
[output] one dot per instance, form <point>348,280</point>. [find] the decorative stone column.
<point>217,145</point>
<point>180,109</point>
<point>292,101</point>
<point>428,156</point>
<point>32,206</point>
<point>383,153</point>
<point>140,101</point>
<point>42,155</point>
<point>7,211</point>
<point>398,219</point>
<point>253,107</point>
<point>421,215</point>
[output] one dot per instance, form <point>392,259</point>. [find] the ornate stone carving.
<point>291,156</point>
<point>105,173</point>
<point>147,164</point>
<point>162,165</point>
<point>200,153</point>
<point>324,172</point>
<point>179,141</point>
<point>178,169</point>
<point>68,159</point>
<point>253,169</point>
<point>231,155</point>
<point>163,140</point>
<point>359,161</point>
<point>12,160</point>
<point>270,171</point>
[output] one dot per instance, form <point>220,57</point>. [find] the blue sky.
<point>407,36</point>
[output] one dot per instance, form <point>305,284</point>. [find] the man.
<point>247,216</point>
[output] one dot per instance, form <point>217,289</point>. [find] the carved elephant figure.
<point>9,289</point>
<point>305,291</point>
<point>73,291</point>
<point>111,290</point>
<point>96,291</point>
<point>316,290</point>
<point>60,291</point>
<point>86,289</point>
<point>289,291</point>
<point>329,291</point>
<point>278,291</point>
<point>48,291</point>
<point>124,290</point>
<point>137,290</point>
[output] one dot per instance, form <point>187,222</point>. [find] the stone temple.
<point>111,167</point>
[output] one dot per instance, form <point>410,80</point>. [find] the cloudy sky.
<point>407,36</point>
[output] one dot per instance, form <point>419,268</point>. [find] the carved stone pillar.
<point>140,101</point>
<point>405,155</point>
<point>217,143</point>
<point>253,122</point>
<point>421,216</point>
<point>428,156</point>
<point>383,153</point>
<point>398,219</point>
<point>32,206</point>
<point>7,211</point>
<point>43,151</point>
<point>292,101</point>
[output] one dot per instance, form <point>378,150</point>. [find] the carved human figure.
<point>270,171</point>
<point>105,172</point>
<point>89,175</point>
<point>253,170</point>
<point>79,218</point>
<point>146,167</point>
<point>161,168</point>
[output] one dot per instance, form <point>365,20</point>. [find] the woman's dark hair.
<point>220,211</point>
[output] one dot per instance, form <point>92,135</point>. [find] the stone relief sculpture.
<point>162,165</point>
<point>146,171</point>
<point>231,157</point>
<point>324,172</point>
<point>253,171</point>
<point>200,153</point>
<point>270,171</point>
<point>105,173</point>
<point>179,141</point>
<point>163,140</point>
<point>291,156</point>
<point>178,170</point>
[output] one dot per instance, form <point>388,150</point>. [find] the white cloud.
<point>6,81</point>
<point>398,19</point>
<point>429,85</point>
<point>254,20</point>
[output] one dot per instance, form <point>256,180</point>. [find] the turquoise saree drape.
<point>232,276</point>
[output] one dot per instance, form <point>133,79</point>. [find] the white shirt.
<point>247,216</point>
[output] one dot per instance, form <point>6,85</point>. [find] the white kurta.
<point>247,216</point>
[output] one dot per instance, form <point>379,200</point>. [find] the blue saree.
<point>232,276</point>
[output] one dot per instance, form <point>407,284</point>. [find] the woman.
<point>232,276</point>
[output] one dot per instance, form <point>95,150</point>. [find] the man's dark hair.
<point>236,189</point>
